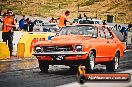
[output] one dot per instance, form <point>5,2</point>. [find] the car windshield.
<point>79,30</point>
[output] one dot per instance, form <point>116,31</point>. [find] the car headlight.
<point>38,49</point>
<point>78,48</point>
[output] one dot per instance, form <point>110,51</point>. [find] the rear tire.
<point>43,66</point>
<point>90,62</point>
<point>113,65</point>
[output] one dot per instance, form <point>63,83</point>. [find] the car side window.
<point>95,32</point>
<point>102,35</point>
<point>108,34</point>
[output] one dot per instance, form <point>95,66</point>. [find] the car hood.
<point>64,40</point>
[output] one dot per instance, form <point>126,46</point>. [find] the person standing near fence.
<point>53,20</point>
<point>104,22</point>
<point>124,32</point>
<point>31,25</point>
<point>26,25</point>
<point>21,23</point>
<point>7,30</point>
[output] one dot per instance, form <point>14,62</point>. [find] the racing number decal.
<point>34,41</point>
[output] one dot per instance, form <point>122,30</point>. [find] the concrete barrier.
<point>4,51</point>
<point>27,41</point>
<point>17,35</point>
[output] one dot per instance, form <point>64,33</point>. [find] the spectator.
<point>104,22</point>
<point>35,21</point>
<point>7,30</point>
<point>31,25</point>
<point>52,20</point>
<point>21,23</point>
<point>63,19</point>
<point>85,15</point>
<point>79,17</point>
<point>8,10</point>
<point>26,24</point>
<point>91,18</point>
<point>129,25</point>
<point>124,32</point>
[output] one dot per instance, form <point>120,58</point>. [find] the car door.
<point>111,44</point>
<point>101,44</point>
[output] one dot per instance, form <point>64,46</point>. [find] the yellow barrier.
<point>27,41</point>
<point>4,51</point>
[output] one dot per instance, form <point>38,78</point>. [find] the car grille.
<point>57,48</point>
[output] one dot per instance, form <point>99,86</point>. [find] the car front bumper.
<point>66,53</point>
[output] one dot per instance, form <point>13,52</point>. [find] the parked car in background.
<point>87,21</point>
<point>85,44</point>
<point>47,28</point>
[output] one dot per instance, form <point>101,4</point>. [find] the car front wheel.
<point>113,65</point>
<point>43,66</point>
<point>90,61</point>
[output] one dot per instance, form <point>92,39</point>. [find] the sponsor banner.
<point>110,77</point>
<point>118,26</point>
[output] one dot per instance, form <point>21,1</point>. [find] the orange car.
<point>86,45</point>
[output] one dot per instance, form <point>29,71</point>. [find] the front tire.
<point>90,62</point>
<point>43,66</point>
<point>114,64</point>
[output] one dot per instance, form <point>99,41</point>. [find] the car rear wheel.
<point>43,66</point>
<point>90,61</point>
<point>113,65</point>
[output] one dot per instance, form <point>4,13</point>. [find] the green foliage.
<point>88,2</point>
